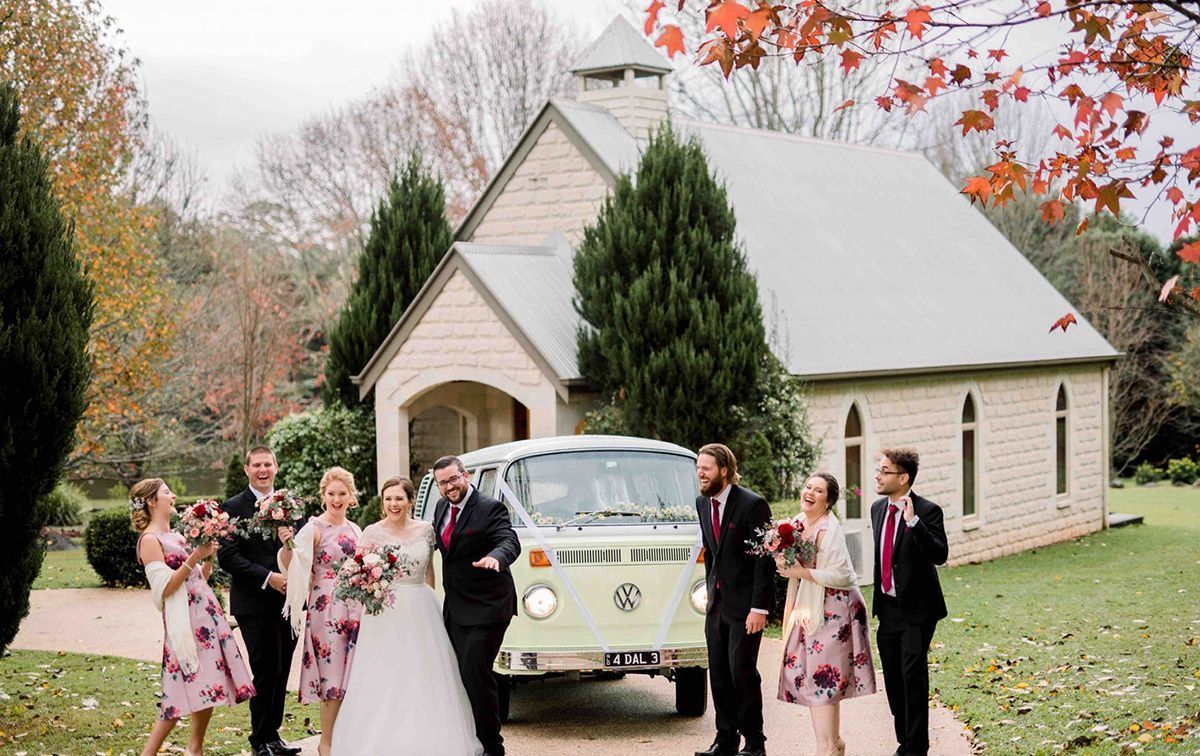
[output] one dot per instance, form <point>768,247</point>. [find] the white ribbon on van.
<point>536,531</point>
<point>677,596</point>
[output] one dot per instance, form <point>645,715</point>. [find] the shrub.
<point>308,444</point>
<point>111,546</point>
<point>1147,473</point>
<point>235,475</point>
<point>64,505</point>
<point>1183,471</point>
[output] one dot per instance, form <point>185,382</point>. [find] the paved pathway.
<point>553,717</point>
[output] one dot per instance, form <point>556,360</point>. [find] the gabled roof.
<point>591,129</point>
<point>876,264</point>
<point>618,47</point>
<point>528,287</point>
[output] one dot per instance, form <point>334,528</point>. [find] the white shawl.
<point>174,609</point>
<point>806,598</point>
<point>299,575</point>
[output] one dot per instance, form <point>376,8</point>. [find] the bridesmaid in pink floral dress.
<point>219,676</point>
<point>330,624</point>
<point>827,647</point>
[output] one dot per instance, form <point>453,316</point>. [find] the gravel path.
<point>552,718</point>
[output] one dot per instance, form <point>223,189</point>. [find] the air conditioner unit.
<point>862,552</point>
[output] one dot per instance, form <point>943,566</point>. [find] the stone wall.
<point>1016,505</point>
<point>554,189</point>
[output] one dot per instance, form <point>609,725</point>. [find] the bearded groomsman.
<point>910,541</point>
<point>740,592</point>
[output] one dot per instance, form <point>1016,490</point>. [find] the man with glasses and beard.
<point>740,594</point>
<point>910,541</point>
<point>477,542</point>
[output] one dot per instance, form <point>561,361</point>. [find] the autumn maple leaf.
<point>652,15</point>
<point>917,19</point>
<point>671,40</point>
<point>1063,322</point>
<point>1190,252</point>
<point>850,60</point>
<point>726,16</point>
<point>975,120</point>
<point>978,188</point>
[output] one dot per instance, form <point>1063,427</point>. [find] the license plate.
<point>631,659</point>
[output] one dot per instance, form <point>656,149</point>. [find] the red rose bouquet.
<point>365,577</point>
<point>205,522</point>
<point>280,509</point>
<point>784,538</point>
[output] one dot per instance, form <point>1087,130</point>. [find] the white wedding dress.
<point>404,694</point>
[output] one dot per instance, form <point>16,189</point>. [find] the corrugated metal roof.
<point>603,133</point>
<point>620,46</point>
<point>533,285</point>
<point>876,263</point>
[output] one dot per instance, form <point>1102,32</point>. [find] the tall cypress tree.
<point>46,310</point>
<point>673,324</point>
<point>409,235</point>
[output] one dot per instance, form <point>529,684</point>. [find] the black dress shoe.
<point>279,748</point>
<point>759,751</point>
<point>261,750</point>
<point>718,749</point>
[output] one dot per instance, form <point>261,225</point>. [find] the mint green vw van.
<point>610,580</point>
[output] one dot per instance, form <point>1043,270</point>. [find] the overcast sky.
<point>219,74</point>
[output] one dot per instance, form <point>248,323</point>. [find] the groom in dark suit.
<point>740,594</point>
<point>477,543</point>
<point>256,592</point>
<point>910,541</point>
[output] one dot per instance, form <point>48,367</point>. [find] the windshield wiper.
<point>586,517</point>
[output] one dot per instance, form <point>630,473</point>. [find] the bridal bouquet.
<point>365,577</point>
<point>205,522</point>
<point>274,511</point>
<point>783,538</point>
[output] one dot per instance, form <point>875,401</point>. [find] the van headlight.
<point>699,596</point>
<point>540,601</point>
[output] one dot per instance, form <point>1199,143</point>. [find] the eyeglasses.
<point>883,471</point>
<point>451,481</point>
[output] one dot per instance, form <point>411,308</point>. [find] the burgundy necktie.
<point>889,541</point>
<point>716,520</point>
<point>448,531</point>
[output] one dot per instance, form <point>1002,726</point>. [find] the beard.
<point>713,487</point>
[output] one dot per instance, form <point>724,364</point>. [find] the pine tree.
<point>409,235</point>
<point>673,327</point>
<point>46,310</point>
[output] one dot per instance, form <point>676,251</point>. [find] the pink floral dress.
<point>331,627</point>
<point>835,661</point>
<point>221,676</point>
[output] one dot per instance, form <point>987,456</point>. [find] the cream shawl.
<point>174,609</point>
<point>806,598</point>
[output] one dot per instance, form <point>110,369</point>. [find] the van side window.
<point>486,482</point>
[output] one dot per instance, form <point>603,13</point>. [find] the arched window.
<point>969,458</point>
<point>1060,442</point>
<point>854,463</point>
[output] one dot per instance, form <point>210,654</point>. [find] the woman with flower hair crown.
<point>202,666</point>
<point>330,625</point>
<point>827,647</point>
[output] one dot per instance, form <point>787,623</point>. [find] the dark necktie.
<point>889,542</point>
<point>448,531</point>
<point>716,520</point>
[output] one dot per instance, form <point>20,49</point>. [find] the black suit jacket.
<point>476,596</point>
<point>249,560</point>
<point>917,552</point>
<point>737,580</point>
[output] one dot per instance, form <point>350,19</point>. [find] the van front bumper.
<point>519,661</point>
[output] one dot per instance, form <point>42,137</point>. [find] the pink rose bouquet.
<point>205,522</point>
<point>784,538</point>
<point>365,577</point>
<point>280,509</point>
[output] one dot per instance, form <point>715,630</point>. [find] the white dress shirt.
<point>895,536</point>
<point>257,496</point>
<point>446,517</point>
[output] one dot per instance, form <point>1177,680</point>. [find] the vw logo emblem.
<point>627,597</point>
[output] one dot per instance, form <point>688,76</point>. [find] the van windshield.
<point>605,487</point>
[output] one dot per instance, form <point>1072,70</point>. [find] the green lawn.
<point>66,569</point>
<point>78,704</point>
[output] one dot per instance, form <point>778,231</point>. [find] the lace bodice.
<point>416,548</point>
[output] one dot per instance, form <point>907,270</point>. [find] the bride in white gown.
<point>404,694</point>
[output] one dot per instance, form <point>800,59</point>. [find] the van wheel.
<point>691,691</point>
<point>504,688</point>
